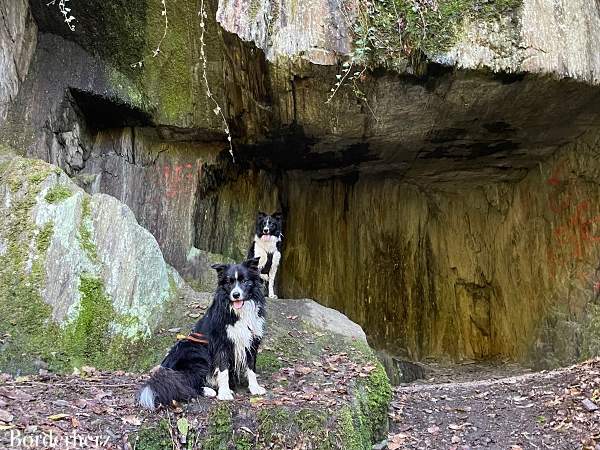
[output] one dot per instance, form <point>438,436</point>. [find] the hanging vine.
<point>65,11</point>
<point>217,110</point>
<point>157,50</point>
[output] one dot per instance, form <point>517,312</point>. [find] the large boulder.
<point>79,278</point>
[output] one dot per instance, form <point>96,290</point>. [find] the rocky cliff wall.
<point>18,36</point>
<point>475,272</point>
<point>421,202</point>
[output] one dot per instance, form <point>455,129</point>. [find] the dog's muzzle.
<point>237,298</point>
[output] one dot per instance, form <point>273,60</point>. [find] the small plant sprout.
<point>157,50</point>
<point>65,11</point>
<point>217,110</point>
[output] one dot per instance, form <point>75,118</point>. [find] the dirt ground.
<point>472,407</point>
<point>452,409</point>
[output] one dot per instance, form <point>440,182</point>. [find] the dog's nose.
<point>265,230</point>
<point>236,295</point>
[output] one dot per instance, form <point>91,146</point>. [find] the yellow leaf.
<point>59,416</point>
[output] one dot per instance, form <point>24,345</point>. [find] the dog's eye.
<point>231,280</point>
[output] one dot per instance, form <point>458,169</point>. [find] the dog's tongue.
<point>238,304</point>
<point>266,237</point>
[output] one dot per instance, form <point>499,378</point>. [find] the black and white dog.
<point>267,247</point>
<point>221,349</point>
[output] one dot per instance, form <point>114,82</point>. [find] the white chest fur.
<point>243,332</point>
<point>264,247</point>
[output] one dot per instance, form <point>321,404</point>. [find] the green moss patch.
<point>58,193</point>
<point>85,232</point>
<point>154,437</point>
<point>267,362</point>
<point>25,320</point>
<point>591,332</point>
<point>220,430</point>
<point>89,335</point>
<point>387,30</point>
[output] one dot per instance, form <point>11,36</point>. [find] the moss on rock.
<point>154,437</point>
<point>220,430</point>
<point>91,332</point>
<point>85,233</point>
<point>591,332</point>
<point>268,362</point>
<point>387,30</point>
<point>58,193</point>
<point>87,338</point>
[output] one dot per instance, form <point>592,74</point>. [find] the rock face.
<point>448,207</point>
<point>543,37</point>
<point>318,30</point>
<point>464,269</point>
<point>18,37</point>
<point>534,36</point>
<point>81,279</point>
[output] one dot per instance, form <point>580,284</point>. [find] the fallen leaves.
<point>396,441</point>
<point>5,416</point>
<point>556,409</point>
<point>16,394</point>
<point>132,420</point>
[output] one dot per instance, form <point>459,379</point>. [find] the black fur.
<point>189,365</point>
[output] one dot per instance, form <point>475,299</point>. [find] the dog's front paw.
<point>208,392</point>
<point>225,394</point>
<point>257,390</point>
<point>272,295</point>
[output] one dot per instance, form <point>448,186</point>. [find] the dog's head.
<point>269,225</point>
<point>239,282</point>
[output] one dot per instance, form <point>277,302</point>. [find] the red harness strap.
<point>196,338</point>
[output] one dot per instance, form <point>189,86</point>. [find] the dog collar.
<point>196,338</point>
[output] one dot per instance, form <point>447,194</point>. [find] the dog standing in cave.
<point>266,246</point>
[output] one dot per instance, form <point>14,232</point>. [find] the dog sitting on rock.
<point>266,246</point>
<point>222,347</point>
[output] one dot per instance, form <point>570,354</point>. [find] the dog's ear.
<point>252,264</point>
<point>277,216</point>
<point>220,268</point>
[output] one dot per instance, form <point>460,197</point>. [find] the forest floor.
<point>544,410</point>
<point>468,406</point>
<point>490,407</point>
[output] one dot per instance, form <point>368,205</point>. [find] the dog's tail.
<point>165,386</point>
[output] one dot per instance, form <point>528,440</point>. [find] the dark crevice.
<point>103,113</point>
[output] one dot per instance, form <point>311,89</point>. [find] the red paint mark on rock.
<point>180,178</point>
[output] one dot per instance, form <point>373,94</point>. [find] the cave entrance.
<point>448,232</point>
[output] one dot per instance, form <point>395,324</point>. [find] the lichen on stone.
<point>84,327</point>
